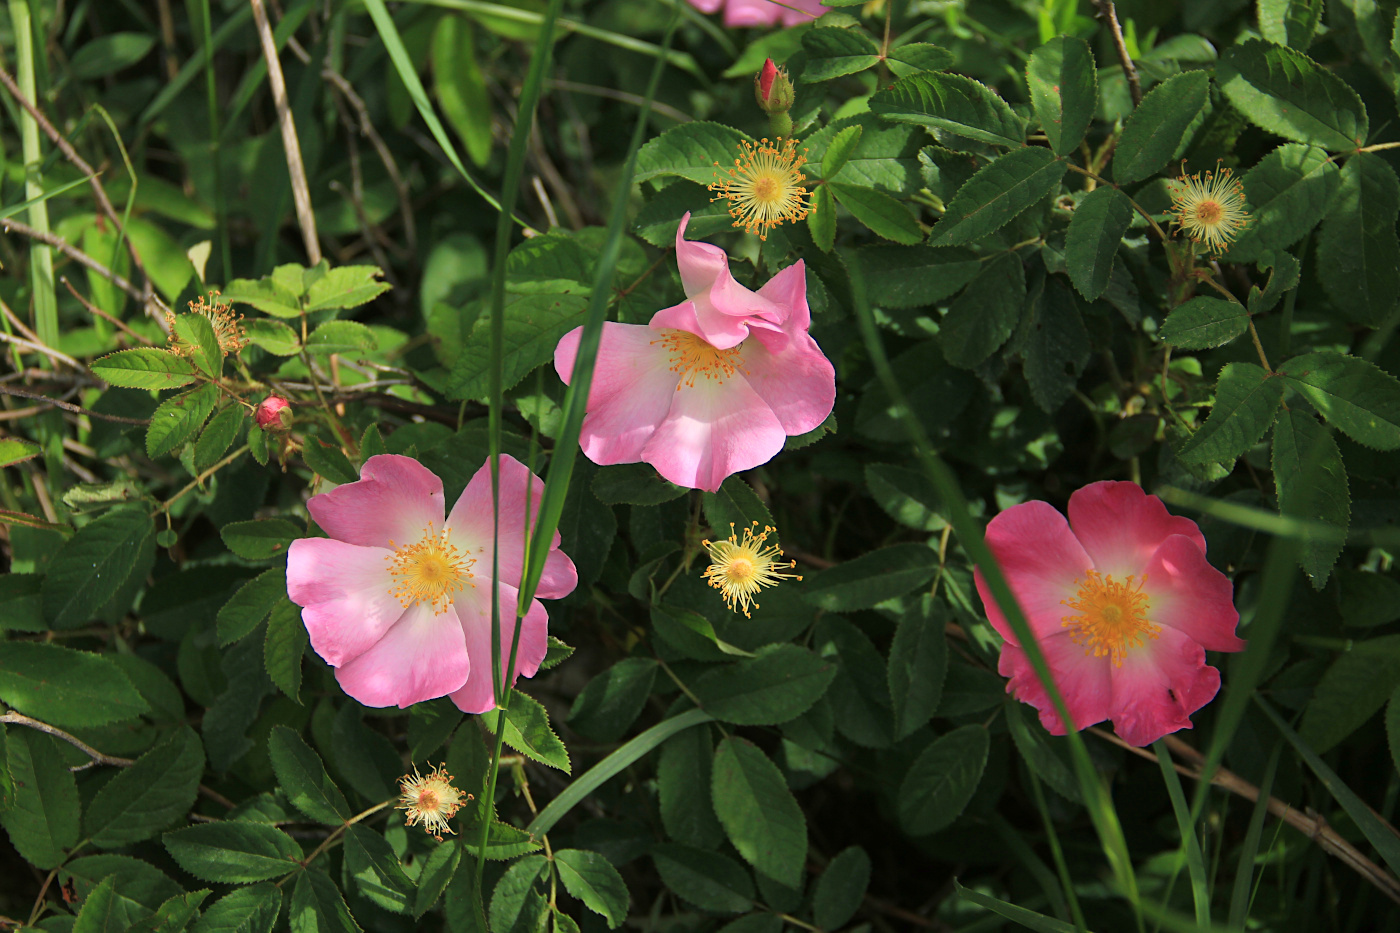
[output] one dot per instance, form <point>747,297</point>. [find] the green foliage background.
<point>991,269</point>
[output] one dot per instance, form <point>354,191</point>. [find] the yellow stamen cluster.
<point>764,187</point>
<point>1112,616</point>
<point>430,571</point>
<point>1210,208</point>
<point>693,356</point>
<point>228,327</point>
<point>741,568</point>
<point>430,800</point>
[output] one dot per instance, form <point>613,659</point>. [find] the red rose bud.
<point>765,78</point>
<point>269,414</point>
<point>773,89</point>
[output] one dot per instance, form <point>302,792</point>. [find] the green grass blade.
<point>1032,863</point>
<point>14,209</point>
<point>610,766</point>
<point>40,256</point>
<point>194,65</point>
<point>1244,875</point>
<point>1026,918</point>
<point>1195,860</point>
<point>1057,852</point>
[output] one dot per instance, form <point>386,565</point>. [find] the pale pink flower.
<point>739,13</point>
<point>712,386</point>
<point>399,601</point>
<point>1123,605</point>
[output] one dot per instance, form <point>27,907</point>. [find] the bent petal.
<point>713,431</point>
<point>1121,526</point>
<point>1082,679</point>
<point>395,499</point>
<point>477,695</point>
<point>798,383</point>
<point>344,590</point>
<point>632,389</point>
<point>738,13</point>
<point>788,290</point>
<point>1159,686</point>
<point>722,306</point>
<point>1042,562</point>
<point>1191,596</point>
<point>471,527</point>
<point>422,657</point>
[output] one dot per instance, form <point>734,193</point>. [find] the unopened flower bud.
<point>772,88</point>
<point>274,413</point>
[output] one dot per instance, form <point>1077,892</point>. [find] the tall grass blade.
<point>1242,894</point>
<point>40,256</point>
<point>1195,860</point>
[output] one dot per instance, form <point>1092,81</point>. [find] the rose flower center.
<point>429,572</point>
<point>1111,616</point>
<point>693,356</point>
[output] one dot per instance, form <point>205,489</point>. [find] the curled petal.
<point>798,383</point>
<point>1041,559</point>
<point>1121,526</point>
<point>724,309</point>
<point>1159,687</point>
<point>394,500</point>
<point>1191,596</point>
<point>421,657</point>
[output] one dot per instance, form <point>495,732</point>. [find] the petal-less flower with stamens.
<point>228,327</point>
<point>764,187</point>
<point>739,569</point>
<point>1123,605</point>
<point>398,600</point>
<point>713,385</point>
<point>430,800</point>
<point>1210,208</point>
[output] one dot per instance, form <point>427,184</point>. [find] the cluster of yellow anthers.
<point>228,327</point>
<point>1210,207</point>
<point>741,568</point>
<point>764,188</point>
<point>430,800</point>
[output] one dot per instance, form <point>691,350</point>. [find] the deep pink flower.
<point>399,602</point>
<point>1123,604</point>
<point>711,386</point>
<point>762,12</point>
<point>269,413</point>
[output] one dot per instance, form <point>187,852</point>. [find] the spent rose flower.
<point>1123,605</point>
<point>713,385</point>
<point>398,600</point>
<point>762,12</point>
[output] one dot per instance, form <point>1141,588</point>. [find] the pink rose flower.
<point>762,12</point>
<point>399,601</point>
<point>1123,604</point>
<point>269,413</point>
<point>712,386</point>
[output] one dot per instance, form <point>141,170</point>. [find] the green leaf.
<point>372,863</point>
<point>1290,22</point>
<point>304,780</point>
<point>918,663</point>
<point>251,909</point>
<point>1285,92</point>
<point>872,578</point>
<point>196,334</point>
<point>260,539</point>
<point>736,505</point>
<point>633,484</point>
<point>591,878</point>
<point>329,461</point>
<point>528,732</point>
<point>317,906</point>
<point>860,700</point>
<point>284,646</point>
<point>913,276</point>
<point>1246,398</point>
<point>43,821</point>
<point>1053,342</point>
<point>984,316</point>
<point>1203,323</point>
<point>1368,599</point>
<point>833,51</point>
<point>273,336</point>
<point>144,368</point>
<point>111,53</point>
<point>683,789</point>
<point>217,436</point>
<point>914,57</point>
<point>439,871</point>
<point>341,337</point>
<point>942,780</point>
<point>1091,242</point>
<point>878,211</point>
<point>17,450</point>
<point>1289,191</point>
<point>460,86</point>
<point>174,915</point>
<point>147,797</point>
<point>1034,744</point>
<point>534,325</point>
<point>1064,91</point>
<point>779,685</point>
<point>269,294</point>
<point>612,700</point>
<point>1392,726</point>
<point>1154,131</point>
<point>886,157</point>
<point>1284,275</point>
<point>1357,684</point>
<point>1020,915</point>
<point>234,852</point>
<point>839,152</point>
<point>758,812</point>
<point>516,907</point>
<point>695,150</point>
<point>250,605</point>
<point>841,888</point>
<point>999,191</point>
<point>65,687</point>
<point>101,911</point>
<point>951,102</point>
<point>93,565</point>
<point>1357,250</point>
<point>821,219</point>
<point>429,726</point>
<point>906,495</point>
<point>1312,484</point>
<point>178,419</point>
<point>1355,396</point>
<point>708,880</point>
